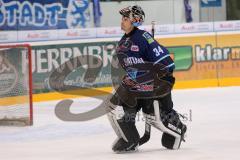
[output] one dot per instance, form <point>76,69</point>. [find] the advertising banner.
<point>227,26</point>
<point>164,29</point>
<point>193,27</point>
<point>38,35</point>
<point>109,32</point>
<point>211,3</point>
<point>43,15</point>
<point>76,33</point>
<point>45,59</point>
<point>207,59</point>
<point>8,36</point>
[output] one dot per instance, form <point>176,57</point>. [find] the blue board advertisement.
<point>211,3</point>
<point>41,15</point>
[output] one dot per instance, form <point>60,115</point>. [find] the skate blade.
<point>125,152</point>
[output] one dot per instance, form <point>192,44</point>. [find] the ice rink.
<point>213,117</point>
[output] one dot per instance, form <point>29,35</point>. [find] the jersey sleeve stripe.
<point>170,65</point>
<point>161,58</point>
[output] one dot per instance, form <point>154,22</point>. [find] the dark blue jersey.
<point>139,47</point>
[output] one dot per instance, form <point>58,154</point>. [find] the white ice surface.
<point>213,132</point>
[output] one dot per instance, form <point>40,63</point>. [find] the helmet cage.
<point>135,13</point>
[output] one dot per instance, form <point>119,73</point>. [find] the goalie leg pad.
<point>112,117</point>
<point>128,136</point>
<point>171,126</point>
<point>130,131</point>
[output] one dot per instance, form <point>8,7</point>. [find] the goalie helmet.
<point>135,13</point>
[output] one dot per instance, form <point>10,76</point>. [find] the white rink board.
<point>213,133</point>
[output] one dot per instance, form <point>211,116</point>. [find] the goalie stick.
<point>145,138</point>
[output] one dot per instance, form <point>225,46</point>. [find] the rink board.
<point>214,60</point>
<point>202,60</point>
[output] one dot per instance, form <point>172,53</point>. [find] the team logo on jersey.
<point>148,37</point>
<point>124,45</point>
<point>135,48</point>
